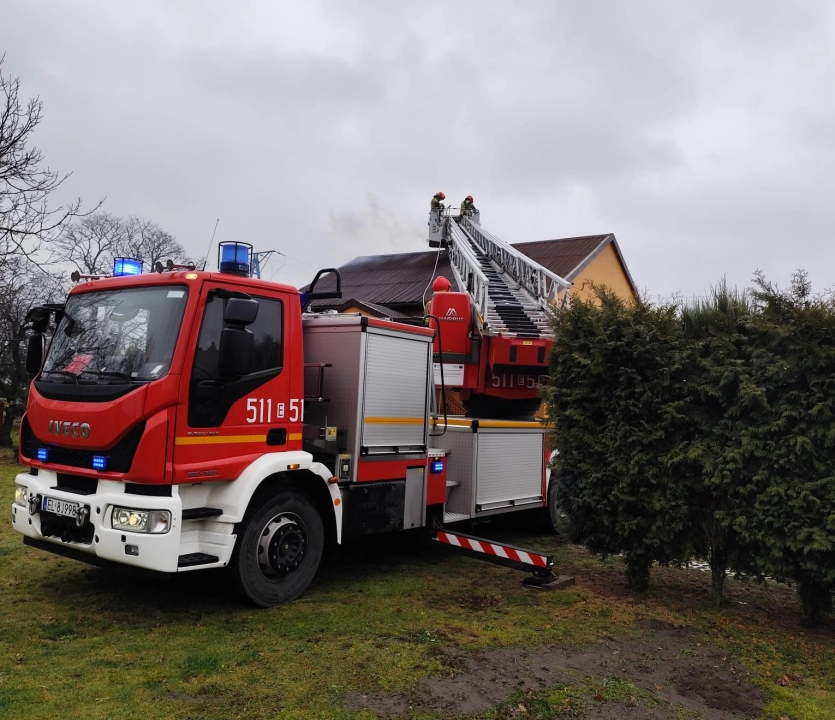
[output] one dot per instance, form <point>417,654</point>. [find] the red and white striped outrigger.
<point>541,566</point>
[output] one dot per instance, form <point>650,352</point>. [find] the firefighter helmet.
<point>441,284</point>
<point>440,196</point>
<point>470,198</point>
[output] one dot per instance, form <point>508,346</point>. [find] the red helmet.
<point>440,196</point>
<point>470,198</point>
<point>441,284</point>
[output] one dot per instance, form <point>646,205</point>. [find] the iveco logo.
<point>69,428</point>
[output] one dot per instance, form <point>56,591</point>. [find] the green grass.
<point>81,642</point>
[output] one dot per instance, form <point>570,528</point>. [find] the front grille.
<point>77,484</point>
<point>119,457</point>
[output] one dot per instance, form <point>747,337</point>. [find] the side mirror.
<point>307,297</point>
<point>235,353</point>
<point>240,312</point>
<point>34,354</point>
<point>39,317</point>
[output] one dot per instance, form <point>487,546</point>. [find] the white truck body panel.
<point>494,466</point>
<point>377,387</point>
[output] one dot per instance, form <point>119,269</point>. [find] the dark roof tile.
<point>399,279</point>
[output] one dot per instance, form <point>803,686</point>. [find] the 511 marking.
<point>260,410</point>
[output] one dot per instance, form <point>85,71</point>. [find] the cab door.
<point>225,423</point>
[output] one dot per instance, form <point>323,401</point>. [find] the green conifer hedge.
<point>703,430</point>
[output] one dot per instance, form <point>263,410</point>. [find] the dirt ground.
<point>676,671</point>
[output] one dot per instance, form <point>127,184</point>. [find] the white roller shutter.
<point>394,414</point>
<point>510,466</point>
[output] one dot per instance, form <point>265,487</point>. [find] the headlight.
<point>141,521</point>
<point>20,495</point>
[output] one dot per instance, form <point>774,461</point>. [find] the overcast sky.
<point>701,134</point>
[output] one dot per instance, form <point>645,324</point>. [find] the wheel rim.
<point>282,547</point>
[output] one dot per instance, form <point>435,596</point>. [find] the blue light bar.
<point>437,466</point>
<point>99,462</point>
<point>126,266</point>
<point>43,454</point>
<point>234,258</point>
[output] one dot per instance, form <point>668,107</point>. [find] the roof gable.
<point>568,257</point>
<point>564,257</point>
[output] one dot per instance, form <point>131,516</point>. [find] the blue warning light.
<point>126,266</point>
<point>437,466</point>
<point>43,454</point>
<point>99,462</point>
<point>234,258</point>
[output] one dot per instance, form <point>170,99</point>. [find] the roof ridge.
<point>567,239</point>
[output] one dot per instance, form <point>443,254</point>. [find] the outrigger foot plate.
<point>557,582</point>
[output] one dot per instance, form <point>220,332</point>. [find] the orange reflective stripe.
<point>219,439</point>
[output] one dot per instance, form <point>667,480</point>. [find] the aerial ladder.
<point>499,359</point>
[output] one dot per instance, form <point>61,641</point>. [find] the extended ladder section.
<point>512,294</point>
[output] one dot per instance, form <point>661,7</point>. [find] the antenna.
<point>211,242</point>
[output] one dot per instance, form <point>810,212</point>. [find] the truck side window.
<point>211,396</point>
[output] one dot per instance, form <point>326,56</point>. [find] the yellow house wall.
<point>607,270</point>
<point>352,310</point>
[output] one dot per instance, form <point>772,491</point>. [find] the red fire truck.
<point>182,420</point>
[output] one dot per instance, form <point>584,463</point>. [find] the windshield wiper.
<point>108,373</point>
<point>64,373</point>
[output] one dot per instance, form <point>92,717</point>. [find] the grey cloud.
<point>702,134</point>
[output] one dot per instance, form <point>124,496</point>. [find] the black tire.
<point>279,548</point>
<point>557,519</point>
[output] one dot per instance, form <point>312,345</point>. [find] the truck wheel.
<point>279,549</point>
<point>558,521</point>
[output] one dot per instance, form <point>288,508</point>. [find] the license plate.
<point>60,507</point>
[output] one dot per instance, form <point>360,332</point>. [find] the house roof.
<point>569,256</point>
<point>402,279</point>
<point>399,279</point>
<point>371,308</point>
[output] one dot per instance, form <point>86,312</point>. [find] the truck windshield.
<point>116,336</point>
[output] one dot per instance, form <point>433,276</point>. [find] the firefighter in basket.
<point>467,207</point>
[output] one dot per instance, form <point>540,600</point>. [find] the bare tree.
<point>91,243</point>
<point>26,220</point>
<point>148,242</point>
<point>17,295</point>
<point>94,241</point>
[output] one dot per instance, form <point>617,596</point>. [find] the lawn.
<point>391,628</point>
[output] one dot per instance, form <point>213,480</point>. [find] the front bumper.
<point>159,552</point>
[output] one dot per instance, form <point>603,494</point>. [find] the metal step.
<point>451,517</point>
<point>192,559</point>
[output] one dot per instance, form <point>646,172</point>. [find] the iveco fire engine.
<point>182,420</point>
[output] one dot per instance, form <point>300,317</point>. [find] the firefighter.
<point>467,206</point>
<point>436,203</point>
